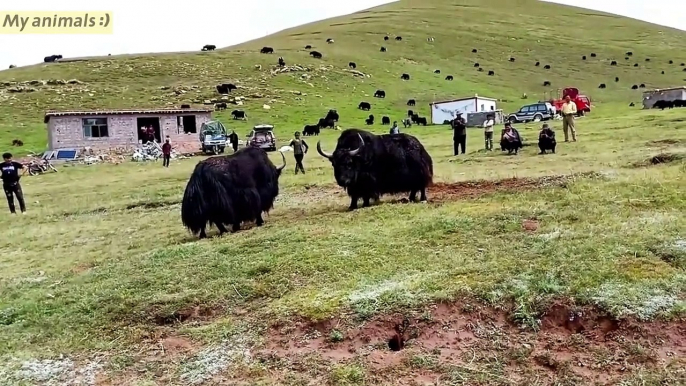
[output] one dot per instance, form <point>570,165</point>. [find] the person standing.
<point>299,149</point>
<point>459,134</point>
<point>394,128</point>
<point>233,139</point>
<point>568,113</point>
<point>10,183</point>
<point>166,153</point>
<point>488,132</point>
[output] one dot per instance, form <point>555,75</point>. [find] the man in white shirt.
<point>488,132</point>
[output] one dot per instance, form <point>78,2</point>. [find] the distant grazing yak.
<point>308,47</point>
<point>209,47</point>
<point>316,54</point>
<point>583,57</point>
<point>537,64</point>
<point>546,67</point>
<point>380,94</point>
<point>369,166</point>
<point>593,55</point>
<point>226,88</point>
<point>476,64</point>
<point>239,114</point>
<point>230,190</point>
<point>370,120</point>
<point>398,38</point>
<point>629,53</point>
<point>267,50</point>
<point>613,63</point>
<point>385,120</point>
<point>616,79</point>
<point>411,102</point>
<point>352,65</point>
<point>364,106</point>
<point>449,77</point>
<point>383,49</point>
<point>386,38</point>
<point>437,71</point>
<point>512,59</point>
<point>474,50</point>
<point>329,40</point>
<point>546,83</point>
<point>405,76</point>
<point>602,85</point>
<point>491,73</point>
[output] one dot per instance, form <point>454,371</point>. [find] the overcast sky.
<point>140,26</point>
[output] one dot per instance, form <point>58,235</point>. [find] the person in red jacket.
<point>166,153</point>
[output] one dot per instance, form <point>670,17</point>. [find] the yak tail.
<point>205,199</point>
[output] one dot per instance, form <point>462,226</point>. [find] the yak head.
<point>345,162</point>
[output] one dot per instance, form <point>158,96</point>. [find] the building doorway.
<point>188,123</point>
<point>145,134</point>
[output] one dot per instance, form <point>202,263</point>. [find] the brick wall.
<point>67,132</point>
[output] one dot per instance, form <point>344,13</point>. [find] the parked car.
<point>535,112</point>
<point>213,137</point>
<point>262,136</point>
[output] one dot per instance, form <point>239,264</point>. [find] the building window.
<point>95,128</point>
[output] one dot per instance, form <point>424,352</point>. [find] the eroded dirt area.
<point>447,343</point>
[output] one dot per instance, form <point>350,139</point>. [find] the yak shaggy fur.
<point>369,166</point>
<point>230,190</point>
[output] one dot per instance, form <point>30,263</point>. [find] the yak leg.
<point>413,196</point>
<point>353,203</point>
<point>236,227</point>
<point>202,233</point>
<point>259,221</point>
<point>422,196</point>
<point>222,228</point>
<point>365,202</point>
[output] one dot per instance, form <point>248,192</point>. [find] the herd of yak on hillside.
<point>238,188</point>
<point>332,117</point>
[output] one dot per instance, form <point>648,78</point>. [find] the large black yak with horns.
<point>368,166</point>
<point>230,190</point>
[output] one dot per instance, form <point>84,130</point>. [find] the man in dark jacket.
<point>10,182</point>
<point>546,139</point>
<point>459,126</point>
<point>233,139</point>
<point>166,153</point>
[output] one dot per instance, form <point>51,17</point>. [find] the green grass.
<point>497,28</point>
<point>102,257</point>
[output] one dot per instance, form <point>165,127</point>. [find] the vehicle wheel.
<point>512,120</point>
<point>537,118</point>
<point>221,150</point>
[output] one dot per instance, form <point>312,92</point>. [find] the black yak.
<point>411,102</point>
<point>267,50</point>
<point>209,47</point>
<point>368,166</point>
<point>311,130</point>
<point>332,115</point>
<point>325,122</point>
<point>230,190</point>
<point>364,106</point>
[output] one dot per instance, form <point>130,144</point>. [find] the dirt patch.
<point>663,142</point>
<point>475,189</point>
<point>152,204</point>
<point>662,158</point>
<point>187,314</point>
<point>573,343</point>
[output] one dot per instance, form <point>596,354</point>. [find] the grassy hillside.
<point>529,31</point>
<point>558,269</point>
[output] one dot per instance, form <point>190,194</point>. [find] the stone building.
<point>122,128</point>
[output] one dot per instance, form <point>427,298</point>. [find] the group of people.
<point>509,137</point>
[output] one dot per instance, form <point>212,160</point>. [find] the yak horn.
<point>280,168</point>
<point>321,152</point>
<point>354,152</point>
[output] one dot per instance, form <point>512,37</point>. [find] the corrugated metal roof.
<point>50,114</point>
<point>667,89</point>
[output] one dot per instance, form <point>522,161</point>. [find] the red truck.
<point>583,102</point>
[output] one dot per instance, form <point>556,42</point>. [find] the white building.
<point>446,110</point>
<point>666,94</point>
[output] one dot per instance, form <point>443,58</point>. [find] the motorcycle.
<point>40,167</point>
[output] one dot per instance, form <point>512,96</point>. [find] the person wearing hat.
<point>394,128</point>
<point>459,126</point>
